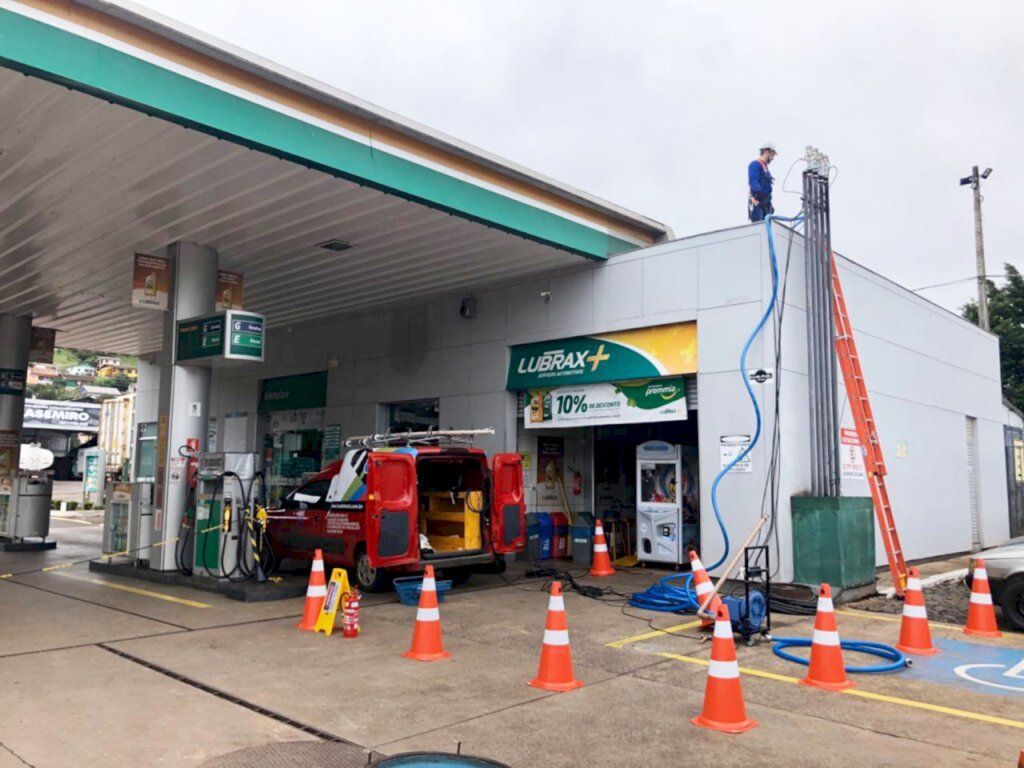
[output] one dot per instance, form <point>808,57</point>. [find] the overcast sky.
<point>659,106</point>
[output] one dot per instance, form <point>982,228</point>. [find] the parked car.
<point>388,511</point>
<point>1005,568</point>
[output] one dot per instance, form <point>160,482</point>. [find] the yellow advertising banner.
<point>229,290</point>
<point>151,281</point>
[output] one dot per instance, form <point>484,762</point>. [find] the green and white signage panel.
<point>233,335</point>
<point>245,335</point>
<point>627,402</point>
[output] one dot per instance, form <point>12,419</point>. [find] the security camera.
<point>467,309</point>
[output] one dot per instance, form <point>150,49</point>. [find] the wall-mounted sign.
<point>291,393</point>
<point>331,443</point>
<point>43,342</point>
<point>627,402</point>
<point>643,353</point>
<point>234,335</point>
<point>151,281</point>
<point>730,447</point>
<point>230,287</point>
<point>550,457</point>
<point>851,455</point>
<point>61,415</point>
<point>12,381</point>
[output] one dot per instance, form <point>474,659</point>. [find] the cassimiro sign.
<point>61,415</point>
<point>643,353</point>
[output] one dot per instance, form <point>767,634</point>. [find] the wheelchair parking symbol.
<point>995,675</point>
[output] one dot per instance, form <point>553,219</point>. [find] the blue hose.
<point>662,595</point>
<point>897,660</point>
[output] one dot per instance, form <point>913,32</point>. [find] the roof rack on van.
<point>430,436</point>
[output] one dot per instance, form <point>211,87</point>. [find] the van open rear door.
<point>392,528</point>
<point>508,512</point>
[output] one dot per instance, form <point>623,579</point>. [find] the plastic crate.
<point>408,589</point>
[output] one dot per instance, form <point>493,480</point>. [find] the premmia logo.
<point>557,361</point>
<point>667,391</point>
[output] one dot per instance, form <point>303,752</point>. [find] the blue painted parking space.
<point>975,667</point>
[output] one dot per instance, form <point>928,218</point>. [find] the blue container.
<point>547,534</point>
<point>409,587</point>
<point>435,760</point>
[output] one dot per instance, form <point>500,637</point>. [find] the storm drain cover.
<point>294,754</point>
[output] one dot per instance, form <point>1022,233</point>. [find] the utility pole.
<point>979,243</point>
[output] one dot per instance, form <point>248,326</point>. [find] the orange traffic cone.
<point>602,565</point>
<point>702,586</point>
<point>915,636</point>
<point>555,671</point>
<point>426,636</point>
<point>315,593</point>
<point>1020,760</point>
<point>723,699</point>
<point>981,616</point>
<point>826,669</point>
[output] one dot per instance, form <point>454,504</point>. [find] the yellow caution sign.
<point>337,589</point>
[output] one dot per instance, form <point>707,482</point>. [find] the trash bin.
<point>582,534</point>
<point>532,551</point>
<point>547,533</point>
<point>560,536</point>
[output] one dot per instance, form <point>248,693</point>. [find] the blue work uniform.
<point>759,203</point>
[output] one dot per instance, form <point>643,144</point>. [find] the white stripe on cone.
<point>556,603</point>
<point>600,547</point>
<point>723,629</point>
<point>981,598</point>
<point>825,604</point>
<point>825,637</point>
<point>703,588</point>
<point>696,565</point>
<point>723,670</point>
<point>556,637</point>
<point>429,584</point>
<point>981,574</point>
<point>318,565</point>
<point>915,611</point>
<point>914,584</point>
<point>316,590</point>
<point>428,614</point>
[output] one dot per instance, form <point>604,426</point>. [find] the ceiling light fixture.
<point>335,244</point>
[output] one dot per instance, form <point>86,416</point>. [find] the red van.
<point>387,511</point>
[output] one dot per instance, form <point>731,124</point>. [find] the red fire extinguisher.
<point>350,615</point>
<point>577,483</point>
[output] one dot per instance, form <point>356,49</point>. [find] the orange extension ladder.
<point>860,406</point>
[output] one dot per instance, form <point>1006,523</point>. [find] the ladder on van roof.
<point>864,419</point>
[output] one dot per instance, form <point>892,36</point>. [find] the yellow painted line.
<point>137,591</point>
<point>891,618</point>
<point>912,703</point>
<point>655,633</point>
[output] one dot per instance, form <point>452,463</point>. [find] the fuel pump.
<point>223,481</point>
<point>186,531</point>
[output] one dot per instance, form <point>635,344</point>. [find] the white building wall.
<point>723,281</point>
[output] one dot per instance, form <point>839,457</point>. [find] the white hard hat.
<point>768,145</point>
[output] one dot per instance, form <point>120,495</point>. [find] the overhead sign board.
<point>602,404</point>
<point>233,335</point>
<point>61,415</point>
<point>43,342</point>
<point>642,353</point>
<point>151,281</point>
<point>291,393</point>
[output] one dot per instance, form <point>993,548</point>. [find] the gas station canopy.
<point>124,132</point>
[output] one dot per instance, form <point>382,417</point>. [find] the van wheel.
<point>368,578</point>
<point>1013,602</point>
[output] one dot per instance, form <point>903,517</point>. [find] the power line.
<point>955,282</point>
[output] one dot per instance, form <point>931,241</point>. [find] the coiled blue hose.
<point>897,660</point>
<point>663,595</point>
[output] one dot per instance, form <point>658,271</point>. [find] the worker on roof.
<point>760,180</point>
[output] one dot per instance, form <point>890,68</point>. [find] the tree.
<point>1006,320</point>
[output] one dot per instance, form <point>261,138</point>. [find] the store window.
<point>414,415</point>
<point>292,426</point>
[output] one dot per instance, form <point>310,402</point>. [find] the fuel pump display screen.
<point>658,482</point>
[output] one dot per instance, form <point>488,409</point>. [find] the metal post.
<point>979,248</point>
